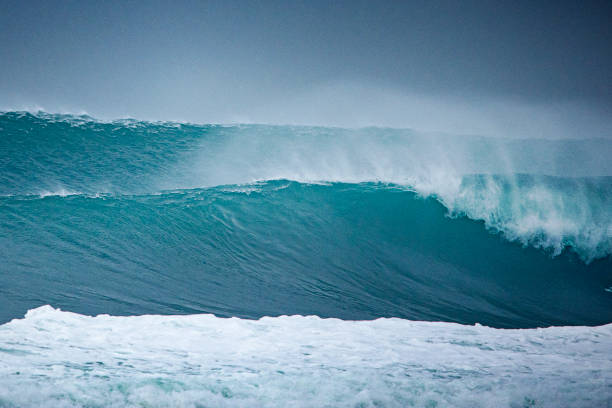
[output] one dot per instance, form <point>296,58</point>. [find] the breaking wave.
<point>411,232</point>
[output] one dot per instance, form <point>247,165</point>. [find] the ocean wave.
<point>549,194</point>
<point>62,359</point>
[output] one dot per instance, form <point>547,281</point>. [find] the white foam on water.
<point>60,359</point>
<point>61,192</point>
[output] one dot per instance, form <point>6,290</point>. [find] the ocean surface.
<point>255,265</point>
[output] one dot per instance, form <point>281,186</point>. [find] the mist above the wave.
<point>248,153</point>
<point>353,105</point>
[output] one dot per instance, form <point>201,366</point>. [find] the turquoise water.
<point>132,218</point>
<point>353,251</point>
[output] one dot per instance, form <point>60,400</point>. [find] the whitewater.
<point>174,264</point>
<point>61,359</point>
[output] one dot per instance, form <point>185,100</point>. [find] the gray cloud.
<point>494,67</point>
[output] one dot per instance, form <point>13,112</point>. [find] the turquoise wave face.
<point>353,251</point>
<point>132,217</point>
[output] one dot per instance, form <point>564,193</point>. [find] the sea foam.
<point>61,359</point>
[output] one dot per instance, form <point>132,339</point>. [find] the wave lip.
<point>56,358</point>
<point>542,211</point>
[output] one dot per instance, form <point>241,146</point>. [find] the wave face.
<point>60,359</point>
<point>354,251</point>
<point>247,221</point>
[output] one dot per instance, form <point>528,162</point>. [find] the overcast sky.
<point>389,63</point>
